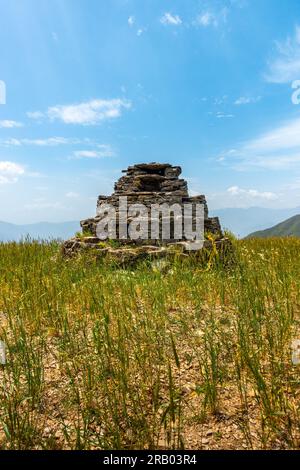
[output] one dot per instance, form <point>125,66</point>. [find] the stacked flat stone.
<point>152,183</point>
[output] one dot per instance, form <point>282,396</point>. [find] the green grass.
<point>107,358</point>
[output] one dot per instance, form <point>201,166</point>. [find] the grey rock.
<point>147,184</point>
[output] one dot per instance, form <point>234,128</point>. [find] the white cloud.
<point>72,195</point>
<point>10,142</point>
<point>35,174</point>
<point>209,18</point>
<point>87,113</point>
<point>35,115</point>
<point>96,149</point>
<point>251,193</point>
<point>10,172</point>
<point>281,138</point>
<point>10,124</point>
<point>49,142</point>
<point>102,151</point>
<point>39,204</point>
<point>221,115</point>
<point>277,149</point>
<point>131,20</point>
<point>220,100</point>
<point>168,18</point>
<point>239,196</point>
<point>285,67</point>
<point>247,100</point>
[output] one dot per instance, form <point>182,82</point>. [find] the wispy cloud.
<point>41,204</point>
<point>210,18</point>
<point>101,152</point>
<point>37,115</point>
<point>72,195</point>
<point>285,66</point>
<point>207,19</point>
<point>285,137</point>
<point>222,115</point>
<point>212,15</point>
<point>10,172</point>
<point>238,196</point>
<point>170,19</point>
<point>48,142</point>
<point>277,149</point>
<point>54,36</point>
<point>251,193</point>
<point>220,100</point>
<point>10,124</point>
<point>131,20</point>
<point>88,113</point>
<point>140,31</point>
<point>96,150</point>
<point>242,100</point>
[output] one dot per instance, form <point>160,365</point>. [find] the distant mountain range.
<point>287,228</point>
<point>42,230</point>
<point>244,221</point>
<point>239,221</point>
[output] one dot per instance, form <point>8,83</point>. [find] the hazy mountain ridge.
<point>41,230</point>
<point>244,221</point>
<point>287,228</point>
<point>239,221</point>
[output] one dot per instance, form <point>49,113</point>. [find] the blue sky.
<point>93,86</point>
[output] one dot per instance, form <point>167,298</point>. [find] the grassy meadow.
<point>166,355</point>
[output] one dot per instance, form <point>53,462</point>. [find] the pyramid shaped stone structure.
<point>152,183</point>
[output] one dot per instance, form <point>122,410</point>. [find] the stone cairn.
<point>147,184</point>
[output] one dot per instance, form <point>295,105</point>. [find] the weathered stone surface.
<point>127,256</point>
<point>147,184</point>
